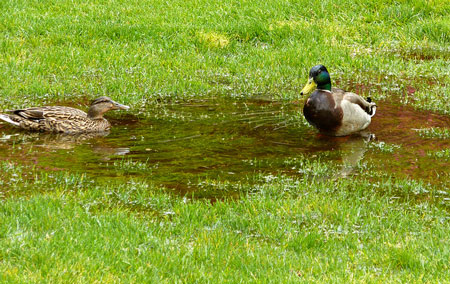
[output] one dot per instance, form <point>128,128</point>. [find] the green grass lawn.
<point>287,230</point>
<point>140,50</point>
<point>58,227</point>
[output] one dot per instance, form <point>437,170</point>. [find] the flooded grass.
<point>435,132</point>
<point>189,147</point>
<point>445,154</point>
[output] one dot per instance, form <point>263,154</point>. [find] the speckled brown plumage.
<point>64,119</point>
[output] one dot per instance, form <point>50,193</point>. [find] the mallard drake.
<point>334,111</point>
<point>64,119</point>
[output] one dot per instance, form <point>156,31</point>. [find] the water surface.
<point>188,147</point>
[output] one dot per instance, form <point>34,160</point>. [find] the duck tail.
<point>9,120</point>
<point>373,111</point>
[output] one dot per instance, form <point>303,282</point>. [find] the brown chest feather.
<point>323,111</point>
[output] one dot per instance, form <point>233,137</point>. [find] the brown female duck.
<point>334,111</point>
<point>64,119</point>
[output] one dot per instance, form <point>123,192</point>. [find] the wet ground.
<point>189,147</point>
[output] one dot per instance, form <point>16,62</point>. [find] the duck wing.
<point>366,105</point>
<point>40,113</point>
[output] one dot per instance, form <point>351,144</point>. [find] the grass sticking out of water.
<point>442,154</point>
<point>127,165</point>
<point>434,98</point>
<point>435,132</point>
<point>384,147</point>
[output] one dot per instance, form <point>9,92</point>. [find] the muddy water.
<point>188,147</point>
<point>399,125</point>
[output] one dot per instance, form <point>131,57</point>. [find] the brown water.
<point>189,146</point>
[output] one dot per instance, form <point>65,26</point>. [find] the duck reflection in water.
<point>66,141</point>
<point>351,149</point>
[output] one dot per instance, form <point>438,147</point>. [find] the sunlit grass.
<point>135,51</point>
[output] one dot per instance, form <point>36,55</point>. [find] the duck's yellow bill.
<point>309,87</point>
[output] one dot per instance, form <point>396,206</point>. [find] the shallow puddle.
<point>189,147</point>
